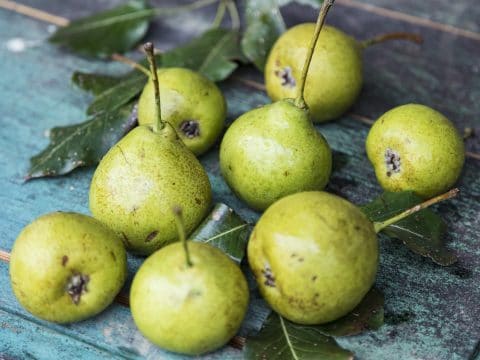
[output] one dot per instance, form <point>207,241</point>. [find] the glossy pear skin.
<point>189,310</point>
<point>274,151</point>
<point>186,96</point>
<point>53,249</point>
<point>413,147</point>
<point>138,182</point>
<point>334,78</point>
<point>314,256</point>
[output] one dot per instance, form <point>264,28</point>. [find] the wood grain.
<point>431,312</point>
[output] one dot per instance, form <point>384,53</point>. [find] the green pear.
<point>67,267</point>
<point>191,103</point>
<point>314,256</point>
<point>140,179</point>
<point>143,176</point>
<point>335,76</point>
<point>189,299</point>
<point>274,151</point>
<point>413,147</point>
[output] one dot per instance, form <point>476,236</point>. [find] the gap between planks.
<point>361,118</point>
<point>237,342</point>
<point>377,10</point>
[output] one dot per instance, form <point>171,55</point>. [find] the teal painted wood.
<point>431,312</point>
<point>462,14</point>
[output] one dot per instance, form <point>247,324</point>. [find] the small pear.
<point>314,256</point>
<point>335,77</point>
<point>138,181</point>
<point>275,150</point>
<point>413,147</point>
<point>189,299</point>
<point>67,267</point>
<point>191,103</point>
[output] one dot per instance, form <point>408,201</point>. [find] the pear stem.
<point>392,36</point>
<point>131,63</point>
<point>150,50</point>
<point>380,225</point>
<point>300,101</point>
<point>177,211</point>
<point>220,14</point>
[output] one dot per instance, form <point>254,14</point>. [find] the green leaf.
<point>81,144</point>
<point>264,26</point>
<point>368,315</point>
<point>119,94</point>
<point>213,54</point>
<point>95,84</point>
<point>422,232</point>
<point>107,32</point>
<point>280,339</point>
<point>226,230</point>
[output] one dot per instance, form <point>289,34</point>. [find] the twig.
<point>130,62</point>
<point>380,225</point>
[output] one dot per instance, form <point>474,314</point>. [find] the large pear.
<point>139,181</point>
<point>314,256</point>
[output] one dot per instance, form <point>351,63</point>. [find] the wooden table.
<point>432,312</point>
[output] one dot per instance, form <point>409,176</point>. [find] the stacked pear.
<point>142,177</point>
<point>275,150</point>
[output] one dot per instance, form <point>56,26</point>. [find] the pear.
<point>413,147</point>
<point>140,178</point>
<point>67,267</point>
<point>191,103</point>
<point>335,77</point>
<point>314,256</point>
<point>189,299</point>
<point>275,150</point>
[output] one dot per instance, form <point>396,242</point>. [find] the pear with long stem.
<point>335,77</point>
<point>142,176</point>
<point>274,150</point>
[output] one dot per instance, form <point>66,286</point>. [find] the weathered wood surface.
<point>431,312</point>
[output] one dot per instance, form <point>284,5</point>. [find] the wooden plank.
<point>463,14</point>
<point>431,311</point>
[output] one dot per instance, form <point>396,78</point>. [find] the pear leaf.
<point>421,232</point>
<point>119,94</point>
<point>226,230</point>
<point>81,144</point>
<point>280,339</point>
<point>107,32</point>
<point>95,84</point>
<point>213,54</point>
<point>368,315</point>
<point>264,24</point>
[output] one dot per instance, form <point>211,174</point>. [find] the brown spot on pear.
<point>191,103</point>
<point>413,147</point>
